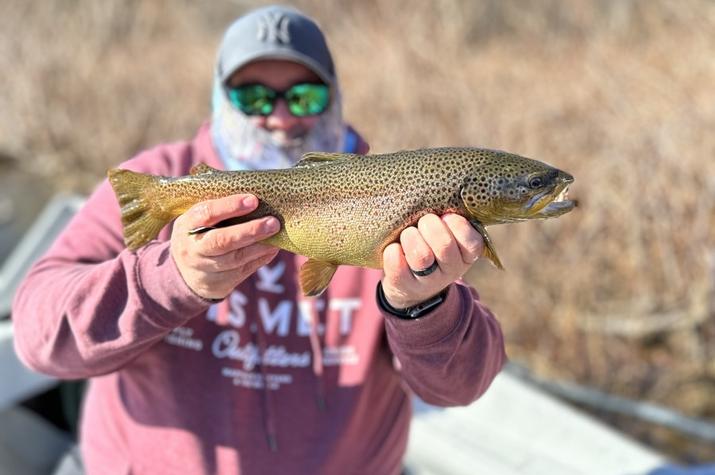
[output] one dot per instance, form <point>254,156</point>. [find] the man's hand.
<point>450,242</point>
<point>214,263</point>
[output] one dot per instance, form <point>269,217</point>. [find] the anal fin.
<point>315,276</point>
<point>489,251</point>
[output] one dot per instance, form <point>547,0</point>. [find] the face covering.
<point>244,146</point>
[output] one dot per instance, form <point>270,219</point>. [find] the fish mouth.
<point>559,204</point>
<point>552,201</point>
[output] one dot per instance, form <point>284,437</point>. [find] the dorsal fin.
<point>317,158</point>
<point>201,168</point>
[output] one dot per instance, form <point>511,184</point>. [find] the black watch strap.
<point>410,313</point>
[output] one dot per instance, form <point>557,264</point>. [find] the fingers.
<point>251,267</point>
<point>417,252</point>
<point>469,241</point>
<point>235,259</point>
<point>245,267</point>
<point>449,242</point>
<point>434,242</point>
<point>221,241</point>
<point>430,243</point>
<point>441,242</point>
<point>395,265</point>
<point>215,262</point>
<point>217,285</point>
<point>210,212</point>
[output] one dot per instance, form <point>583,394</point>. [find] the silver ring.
<point>427,271</point>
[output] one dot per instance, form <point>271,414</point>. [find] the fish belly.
<point>347,234</point>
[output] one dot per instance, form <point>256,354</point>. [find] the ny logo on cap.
<point>273,27</point>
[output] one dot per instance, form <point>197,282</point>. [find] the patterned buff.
<point>243,146</point>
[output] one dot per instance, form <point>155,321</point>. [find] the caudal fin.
<point>142,216</point>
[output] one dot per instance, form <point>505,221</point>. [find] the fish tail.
<point>142,215</point>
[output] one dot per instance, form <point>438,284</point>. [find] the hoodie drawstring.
<point>268,397</point>
<point>317,351</point>
<point>268,394</point>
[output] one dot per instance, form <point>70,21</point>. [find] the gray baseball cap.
<point>275,32</point>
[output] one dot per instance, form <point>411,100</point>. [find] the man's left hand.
<point>450,242</point>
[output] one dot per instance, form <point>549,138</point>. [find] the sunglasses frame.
<point>278,95</point>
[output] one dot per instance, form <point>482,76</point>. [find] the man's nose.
<point>280,118</point>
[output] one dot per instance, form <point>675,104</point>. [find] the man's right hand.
<point>215,262</point>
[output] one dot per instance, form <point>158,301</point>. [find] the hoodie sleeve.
<point>450,356</point>
<point>89,306</point>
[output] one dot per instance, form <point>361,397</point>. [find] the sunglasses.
<point>303,99</point>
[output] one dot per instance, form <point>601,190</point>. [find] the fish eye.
<point>536,182</point>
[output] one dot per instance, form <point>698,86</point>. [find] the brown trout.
<point>337,208</point>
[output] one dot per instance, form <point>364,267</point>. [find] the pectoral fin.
<point>315,276</point>
<point>489,251</point>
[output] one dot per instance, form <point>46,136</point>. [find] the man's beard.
<point>291,138</point>
<point>242,145</point>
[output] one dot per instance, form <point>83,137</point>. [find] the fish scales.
<point>345,209</point>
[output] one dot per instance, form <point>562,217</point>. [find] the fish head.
<point>510,188</point>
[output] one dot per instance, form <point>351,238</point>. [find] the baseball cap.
<point>275,32</point>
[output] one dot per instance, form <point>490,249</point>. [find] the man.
<point>202,353</point>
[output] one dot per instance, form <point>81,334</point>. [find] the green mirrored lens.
<point>253,99</point>
<point>303,100</point>
<point>307,99</point>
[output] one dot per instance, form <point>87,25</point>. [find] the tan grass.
<point>618,294</point>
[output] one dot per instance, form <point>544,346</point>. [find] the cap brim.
<point>229,69</point>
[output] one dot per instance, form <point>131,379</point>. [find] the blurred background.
<point>617,296</point>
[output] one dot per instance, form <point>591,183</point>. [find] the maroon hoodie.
<point>248,385</point>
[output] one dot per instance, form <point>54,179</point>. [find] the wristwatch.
<point>409,313</point>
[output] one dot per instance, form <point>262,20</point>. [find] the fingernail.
<point>271,225</point>
<point>249,201</point>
